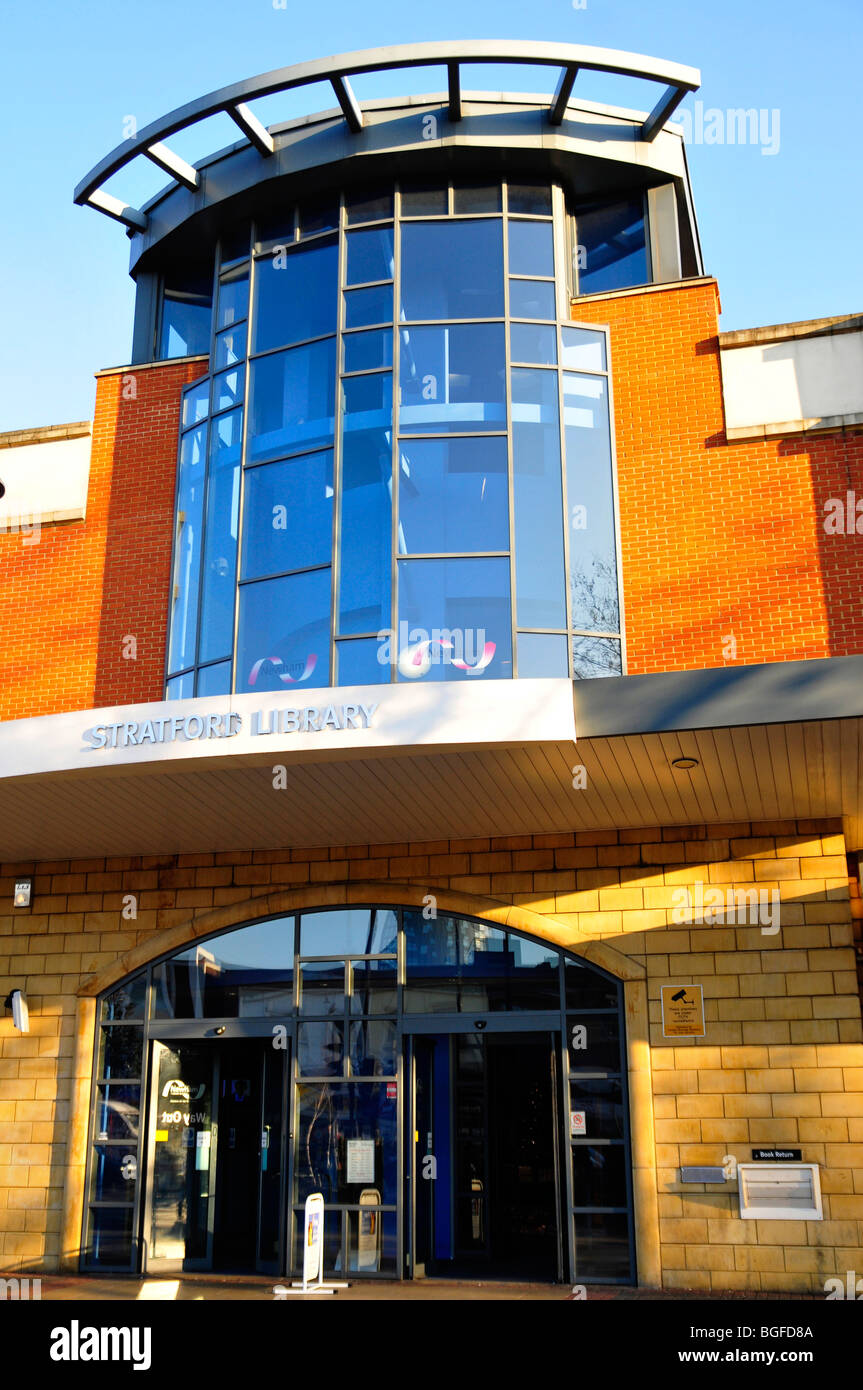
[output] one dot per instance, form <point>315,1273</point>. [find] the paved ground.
<point>81,1289</point>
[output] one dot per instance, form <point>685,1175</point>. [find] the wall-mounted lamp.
<point>23,891</point>
<point>684,764</point>
<point>16,1001</point>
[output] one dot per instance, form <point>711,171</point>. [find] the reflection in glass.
<point>590,499</point>
<point>288,515</point>
<point>613,243</point>
<point>366,504</point>
<point>220,540</point>
<point>196,403</point>
<point>533,342</point>
<point>329,1116</point>
<point>128,1001</point>
<point>230,347</point>
<point>531,248</point>
<point>532,198</point>
<point>542,654</point>
<point>321,1048</point>
<point>113,1172</point>
<point>349,931</point>
<point>372,1238</point>
<point>598,1174</point>
<point>462,966</point>
<point>601,1246</point>
<point>452,270</point>
<point>244,972</point>
<point>453,495</point>
<point>365,351</point>
<point>109,1237</point>
<point>322,988</point>
<point>374,305</point>
<point>117,1112</point>
<point>233,296</point>
<point>292,401</point>
<point>538,505</point>
<point>120,1051</point>
<point>602,1105</point>
<point>463,609</point>
<point>374,1047</point>
<point>187,548</point>
<point>228,389</point>
<point>284,638</point>
<point>358,662</point>
<point>296,295</point>
<point>583,349</point>
<point>373,987</point>
<point>187,313</point>
<point>595,1045</point>
<point>369,255</point>
<point>531,299</point>
<point>366,205</point>
<point>452,378</point>
<point>594,657</point>
<point>214,680</point>
<point>477,197</point>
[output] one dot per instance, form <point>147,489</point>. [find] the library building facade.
<point>520,919</point>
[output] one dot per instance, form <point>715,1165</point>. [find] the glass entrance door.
<point>217,1145</point>
<point>484,1159</point>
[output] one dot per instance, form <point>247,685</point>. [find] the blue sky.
<point>780,231</point>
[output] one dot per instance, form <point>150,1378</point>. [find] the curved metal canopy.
<point>231,100</point>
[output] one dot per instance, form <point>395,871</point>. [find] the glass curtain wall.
<point>400,466</point>
<point>346,987</point>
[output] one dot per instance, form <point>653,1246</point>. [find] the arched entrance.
<point>456,1088</point>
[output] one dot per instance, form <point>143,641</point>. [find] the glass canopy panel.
<point>453,496</point>
<point>590,500</point>
<point>612,246</point>
<point>288,515</point>
<point>187,548</point>
<point>452,270</point>
<point>296,295</point>
<point>538,503</point>
<point>365,601</point>
<point>284,639</point>
<point>239,974</point>
<point>452,379</point>
<point>220,541</point>
<point>292,401</point>
<point>456,617</point>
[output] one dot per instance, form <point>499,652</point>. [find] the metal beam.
<point>662,111</point>
<point>116,208</point>
<point>348,102</point>
<point>561,97</point>
<point>454,83</point>
<point>173,165</point>
<point>249,124</point>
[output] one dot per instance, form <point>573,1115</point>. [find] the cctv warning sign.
<point>682,1011</point>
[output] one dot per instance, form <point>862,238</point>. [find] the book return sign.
<point>682,1011</point>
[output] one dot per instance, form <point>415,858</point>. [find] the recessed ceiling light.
<point>684,764</point>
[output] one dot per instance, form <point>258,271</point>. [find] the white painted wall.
<point>799,382</point>
<point>44,482</point>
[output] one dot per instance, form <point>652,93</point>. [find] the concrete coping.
<point>45,434</point>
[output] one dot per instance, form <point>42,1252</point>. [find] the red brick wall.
<point>720,539</point>
<point>67,602</point>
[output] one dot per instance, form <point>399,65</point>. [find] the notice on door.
<point>361,1161</point>
<point>682,1011</point>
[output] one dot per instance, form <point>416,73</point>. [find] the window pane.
<point>531,248</point>
<point>452,270</point>
<point>181,687</point>
<point>456,965</point>
<point>599,1175</point>
<point>453,495</point>
<point>187,313</point>
<point>296,295</point>
<point>541,655</point>
<point>117,1112</point>
<point>360,931</point>
<point>220,546</point>
<point>120,1052</point>
<point>288,515</point>
<point>538,501</point>
<point>586,989</point>
<point>534,198</point>
<point>583,349</point>
<point>319,216</point>
<point>364,351</point>
<point>214,680</point>
<point>373,988</point>
<point>601,1246</point>
<point>233,297</point>
<point>594,1043</point>
<point>196,403</point>
<point>533,342</point>
<point>285,633</point>
<point>366,504</point>
<point>612,246</point>
<point>230,347</point>
<point>126,1002</point>
<point>602,1105</point>
<point>452,379</point>
<point>330,1115</point>
<point>424,201</point>
<point>595,656</point>
<point>187,555</point>
<point>373,1241</point>
<point>239,974</point>
<point>109,1237</point>
<point>228,389</point>
<point>358,662</point>
<point>113,1172</point>
<point>374,1048</point>
<point>369,306</point>
<point>531,299</point>
<point>458,619</point>
<point>590,500</point>
<point>322,988</point>
<point>478,198</point>
<point>369,255</point>
<point>293,399</point>
<point>321,1048</point>
<point>365,206</point>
